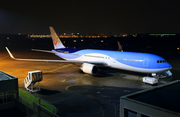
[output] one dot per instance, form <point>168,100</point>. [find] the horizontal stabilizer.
<point>44,51</point>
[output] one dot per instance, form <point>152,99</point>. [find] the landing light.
<point>178,48</point>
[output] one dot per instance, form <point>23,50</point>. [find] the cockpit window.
<point>161,61</point>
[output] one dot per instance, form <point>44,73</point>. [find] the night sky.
<point>90,16</point>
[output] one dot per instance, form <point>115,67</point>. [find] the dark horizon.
<point>107,17</point>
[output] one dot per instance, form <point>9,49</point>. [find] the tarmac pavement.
<point>74,93</point>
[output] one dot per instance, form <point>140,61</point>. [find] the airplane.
<point>92,59</point>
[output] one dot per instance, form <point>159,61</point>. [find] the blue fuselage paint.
<point>131,59</point>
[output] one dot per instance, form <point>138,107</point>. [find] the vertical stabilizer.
<point>56,41</point>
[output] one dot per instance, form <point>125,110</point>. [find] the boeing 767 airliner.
<point>92,59</point>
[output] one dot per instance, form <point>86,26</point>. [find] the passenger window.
<point>161,61</point>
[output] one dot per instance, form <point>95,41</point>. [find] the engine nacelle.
<point>89,68</point>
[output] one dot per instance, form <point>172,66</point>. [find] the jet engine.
<point>89,68</point>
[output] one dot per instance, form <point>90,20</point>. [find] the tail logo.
<point>55,42</point>
<point>55,39</point>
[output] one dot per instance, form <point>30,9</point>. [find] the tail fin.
<point>56,41</point>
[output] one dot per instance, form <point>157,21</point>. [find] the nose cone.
<point>168,65</point>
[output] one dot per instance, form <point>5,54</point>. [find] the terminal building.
<point>159,101</point>
<point>9,94</point>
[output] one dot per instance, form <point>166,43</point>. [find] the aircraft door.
<point>145,62</point>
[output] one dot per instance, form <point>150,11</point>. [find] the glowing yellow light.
<point>178,48</point>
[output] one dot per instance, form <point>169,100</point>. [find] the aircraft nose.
<point>169,66</point>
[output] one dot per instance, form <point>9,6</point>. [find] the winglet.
<point>119,46</point>
<point>10,53</point>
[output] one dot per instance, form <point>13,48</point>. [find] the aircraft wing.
<point>65,61</point>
